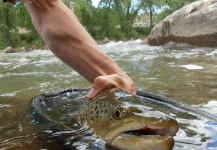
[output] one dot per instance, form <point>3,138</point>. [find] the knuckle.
<point>99,79</point>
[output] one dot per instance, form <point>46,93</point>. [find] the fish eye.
<point>119,112</point>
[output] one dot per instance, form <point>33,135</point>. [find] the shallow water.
<point>178,71</point>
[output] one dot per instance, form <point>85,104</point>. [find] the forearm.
<point>69,41</point>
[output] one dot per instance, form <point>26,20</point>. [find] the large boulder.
<point>195,23</point>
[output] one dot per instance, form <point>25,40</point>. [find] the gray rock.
<point>23,48</point>
<point>9,50</point>
<point>195,23</point>
<point>105,40</point>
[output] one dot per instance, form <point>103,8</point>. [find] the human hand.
<point>121,81</point>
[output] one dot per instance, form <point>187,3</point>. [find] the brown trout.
<point>126,126</point>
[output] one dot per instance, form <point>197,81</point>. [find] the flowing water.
<point>178,71</point>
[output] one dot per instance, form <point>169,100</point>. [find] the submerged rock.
<point>195,23</point>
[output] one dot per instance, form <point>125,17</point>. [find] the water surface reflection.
<point>174,70</point>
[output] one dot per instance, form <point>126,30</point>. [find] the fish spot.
<point>104,106</point>
<point>96,108</point>
<point>92,119</point>
<point>97,112</point>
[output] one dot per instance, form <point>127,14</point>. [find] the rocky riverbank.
<point>23,49</point>
<point>45,47</point>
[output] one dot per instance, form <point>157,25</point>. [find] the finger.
<point>101,83</point>
<point>112,81</point>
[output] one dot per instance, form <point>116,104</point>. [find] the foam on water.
<point>192,67</point>
<point>27,74</point>
<point>23,60</point>
<point>212,53</point>
<point>120,47</point>
<point>4,64</point>
<point>211,106</point>
<point>4,105</point>
<point>9,94</point>
<point>133,51</point>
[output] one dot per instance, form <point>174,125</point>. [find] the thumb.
<point>92,93</point>
<point>100,83</point>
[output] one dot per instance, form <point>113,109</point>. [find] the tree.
<point>84,11</point>
<point>152,7</point>
<point>124,10</point>
<point>108,18</point>
<point>127,11</point>
<point>6,25</point>
<point>11,19</point>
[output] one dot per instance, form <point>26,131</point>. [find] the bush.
<point>119,35</point>
<point>133,33</point>
<point>143,31</point>
<point>27,37</point>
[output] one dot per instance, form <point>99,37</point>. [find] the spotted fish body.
<point>125,126</point>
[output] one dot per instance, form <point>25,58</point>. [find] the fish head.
<point>126,126</point>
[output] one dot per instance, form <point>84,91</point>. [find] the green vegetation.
<point>111,18</point>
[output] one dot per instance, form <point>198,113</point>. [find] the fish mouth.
<point>144,139</point>
<point>148,131</point>
<point>140,127</point>
<point>141,131</point>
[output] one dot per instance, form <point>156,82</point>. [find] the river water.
<point>174,70</point>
